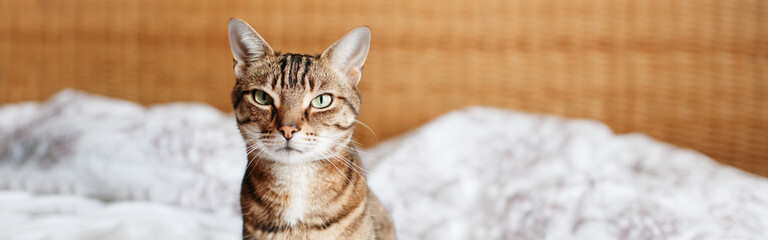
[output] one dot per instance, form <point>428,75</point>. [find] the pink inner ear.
<point>239,69</point>
<point>246,45</point>
<point>348,54</point>
<point>354,75</point>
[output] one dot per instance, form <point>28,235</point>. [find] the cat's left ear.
<point>348,54</point>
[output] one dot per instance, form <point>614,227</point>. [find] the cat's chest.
<point>296,182</point>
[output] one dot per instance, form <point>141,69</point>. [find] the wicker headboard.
<point>692,73</point>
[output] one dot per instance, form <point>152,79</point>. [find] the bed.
<point>83,166</point>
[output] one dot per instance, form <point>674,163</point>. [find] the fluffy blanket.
<point>87,167</point>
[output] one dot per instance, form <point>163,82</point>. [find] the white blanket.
<point>86,167</point>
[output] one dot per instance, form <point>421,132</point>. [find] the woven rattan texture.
<point>692,73</point>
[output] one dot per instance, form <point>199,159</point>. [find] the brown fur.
<point>315,188</point>
<point>340,208</point>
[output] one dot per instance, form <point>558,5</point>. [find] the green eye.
<point>322,101</point>
<point>262,97</point>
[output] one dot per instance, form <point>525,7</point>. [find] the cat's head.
<point>293,107</point>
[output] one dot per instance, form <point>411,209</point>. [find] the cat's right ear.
<point>348,54</point>
<point>246,44</point>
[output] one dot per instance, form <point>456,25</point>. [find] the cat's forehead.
<point>294,71</point>
<point>291,72</point>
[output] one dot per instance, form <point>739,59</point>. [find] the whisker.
<point>345,176</point>
<point>341,143</point>
<point>369,129</point>
<point>337,141</point>
<point>350,164</point>
<point>251,148</point>
<point>251,160</point>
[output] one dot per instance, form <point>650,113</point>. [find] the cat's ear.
<point>246,44</point>
<point>348,54</point>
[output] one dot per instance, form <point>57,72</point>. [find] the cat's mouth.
<point>290,149</point>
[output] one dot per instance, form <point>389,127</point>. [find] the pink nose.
<point>288,131</point>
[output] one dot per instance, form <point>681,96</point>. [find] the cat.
<point>297,114</point>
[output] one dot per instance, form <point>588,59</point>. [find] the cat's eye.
<point>262,97</point>
<point>322,101</point>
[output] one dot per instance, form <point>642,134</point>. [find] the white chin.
<point>290,156</point>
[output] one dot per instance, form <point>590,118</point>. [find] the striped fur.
<point>310,185</point>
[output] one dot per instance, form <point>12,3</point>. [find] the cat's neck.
<point>291,190</point>
<point>267,170</point>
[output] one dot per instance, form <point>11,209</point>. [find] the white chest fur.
<point>296,179</point>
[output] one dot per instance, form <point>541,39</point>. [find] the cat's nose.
<point>288,131</point>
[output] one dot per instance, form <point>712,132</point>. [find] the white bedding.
<point>86,167</point>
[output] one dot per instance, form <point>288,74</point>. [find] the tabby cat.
<point>297,114</point>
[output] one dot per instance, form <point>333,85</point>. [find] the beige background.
<point>692,73</point>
